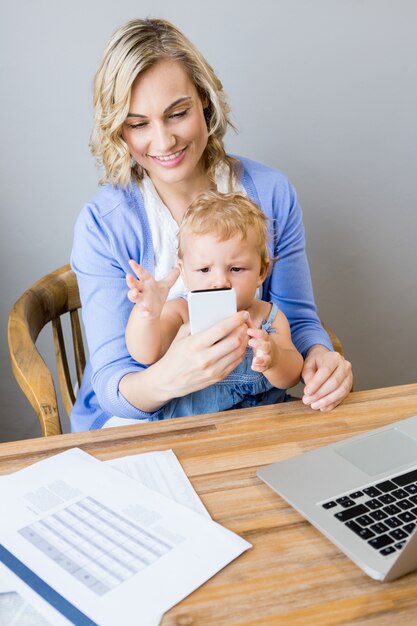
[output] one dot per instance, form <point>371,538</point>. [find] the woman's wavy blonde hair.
<point>134,48</point>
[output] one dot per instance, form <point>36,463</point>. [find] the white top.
<point>164,229</point>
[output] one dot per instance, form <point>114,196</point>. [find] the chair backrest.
<point>336,343</point>
<point>55,295</point>
<point>46,301</point>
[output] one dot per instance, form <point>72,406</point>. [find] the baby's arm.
<point>153,322</point>
<point>275,354</point>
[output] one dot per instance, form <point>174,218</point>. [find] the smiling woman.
<point>160,119</point>
<point>166,131</point>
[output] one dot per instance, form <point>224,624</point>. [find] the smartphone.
<point>206,307</point>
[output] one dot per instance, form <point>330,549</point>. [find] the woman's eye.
<point>138,125</point>
<point>179,114</point>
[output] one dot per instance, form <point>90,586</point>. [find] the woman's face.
<point>165,129</point>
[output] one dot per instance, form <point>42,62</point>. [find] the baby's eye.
<point>236,269</point>
<point>204,270</point>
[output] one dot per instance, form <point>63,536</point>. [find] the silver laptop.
<point>361,493</point>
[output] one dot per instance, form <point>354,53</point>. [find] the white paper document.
<point>107,549</point>
<point>162,472</point>
<point>15,611</point>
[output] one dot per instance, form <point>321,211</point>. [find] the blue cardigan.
<point>113,228</point>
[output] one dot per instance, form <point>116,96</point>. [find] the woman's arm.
<point>289,286</point>
<point>192,362</point>
<point>275,354</point>
<point>326,374</point>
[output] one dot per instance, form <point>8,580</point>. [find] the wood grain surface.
<point>293,575</point>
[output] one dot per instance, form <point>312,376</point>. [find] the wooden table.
<point>292,575</point>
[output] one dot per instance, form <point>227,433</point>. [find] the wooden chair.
<point>51,297</point>
<point>55,295</point>
<point>336,343</point>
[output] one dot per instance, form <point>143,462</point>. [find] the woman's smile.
<point>169,160</point>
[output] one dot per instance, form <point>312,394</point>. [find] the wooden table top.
<point>293,575</point>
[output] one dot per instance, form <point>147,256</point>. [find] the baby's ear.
<point>180,266</point>
<point>263,272</point>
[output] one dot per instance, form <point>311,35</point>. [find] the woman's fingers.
<point>205,358</point>
<point>224,328</point>
<point>221,353</point>
<point>330,401</point>
<point>328,378</point>
<point>217,368</point>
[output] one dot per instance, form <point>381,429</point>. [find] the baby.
<point>222,243</point>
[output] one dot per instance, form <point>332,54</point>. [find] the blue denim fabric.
<point>242,388</point>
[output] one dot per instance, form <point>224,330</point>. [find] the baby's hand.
<point>262,349</point>
<point>149,295</point>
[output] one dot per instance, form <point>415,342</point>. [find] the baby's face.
<point>212,264</point>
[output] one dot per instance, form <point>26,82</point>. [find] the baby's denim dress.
<point>242,388</point>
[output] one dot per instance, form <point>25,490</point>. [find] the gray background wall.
<point>325,91</point>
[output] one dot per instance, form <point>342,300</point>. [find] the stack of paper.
<point>106,543</point>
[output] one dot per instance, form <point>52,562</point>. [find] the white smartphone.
<point>206,307</point>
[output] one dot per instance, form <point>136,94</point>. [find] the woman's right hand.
<point>192,362</point>
<point>207,357</point>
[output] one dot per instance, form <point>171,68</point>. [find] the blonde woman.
<point>160,119</point>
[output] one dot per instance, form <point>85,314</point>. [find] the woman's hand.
<point>327,377</point>
<point>149,295</point>
<point>207,357</point>
<point>192,362</point>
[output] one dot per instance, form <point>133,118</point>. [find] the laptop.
<point>361,493</point>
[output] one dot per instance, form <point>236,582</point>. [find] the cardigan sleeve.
<point>101,268</point>
<point>291,284</point>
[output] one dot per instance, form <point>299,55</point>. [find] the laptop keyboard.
<point>383,514</point>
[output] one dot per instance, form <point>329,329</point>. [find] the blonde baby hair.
<point>225,216</point>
